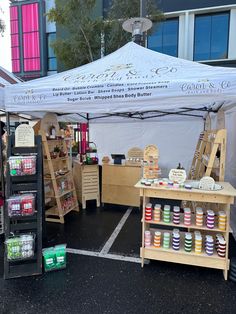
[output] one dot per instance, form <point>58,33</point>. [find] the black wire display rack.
<point>25,224</point>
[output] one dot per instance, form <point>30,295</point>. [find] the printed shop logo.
<point>29,97</point>
<point>119,72</point>
<point>205,87</point>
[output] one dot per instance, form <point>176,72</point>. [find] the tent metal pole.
<point>8,123</point>
<point>87,117</point>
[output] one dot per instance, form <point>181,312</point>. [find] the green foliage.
<point>82,44</point>
<point>2,25</point>
<point>122,10</point>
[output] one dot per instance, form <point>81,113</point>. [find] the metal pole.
<point>8,123</point>
<point>143,8</point>
<point>143,13</point>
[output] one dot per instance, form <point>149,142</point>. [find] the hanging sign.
<point>177,175</point>
<point>24,136</point>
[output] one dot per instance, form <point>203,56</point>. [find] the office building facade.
<point>31,36</point>
<point>197,30</point>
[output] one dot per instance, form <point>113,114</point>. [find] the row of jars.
<point>191,242</point>
<point>211,220</point>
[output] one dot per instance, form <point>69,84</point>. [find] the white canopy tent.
<point>6,78</point>
<point>133,84</point>
<point>136,84</point>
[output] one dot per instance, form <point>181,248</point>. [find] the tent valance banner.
<point>131,82</point>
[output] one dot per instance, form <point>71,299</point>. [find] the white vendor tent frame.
<point>136,84</point>
<point>133,82</point>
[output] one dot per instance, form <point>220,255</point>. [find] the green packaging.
<point>55,257</point>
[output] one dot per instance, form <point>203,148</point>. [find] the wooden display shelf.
<point>224,198</point>
<point>54,197</point>
<point>53,210</point>
<point>59,195</point>
<point>182,225</point>
<point>182,257</point>
<point>56,159</point>
<point>57,177</point>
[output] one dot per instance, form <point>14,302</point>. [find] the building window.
<point>164,37</point>
<point>15,47</point>
<point>211,36</point>
<point>52,61</point>
<point>30,35</point>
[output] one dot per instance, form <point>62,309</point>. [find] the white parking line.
<point>117,257</point>
<point>115,233</point>
<point>104,252</point>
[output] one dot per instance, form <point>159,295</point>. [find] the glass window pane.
<point>155,40</point>
<point>164,37</point>
<point>219,39</point>
<point>51,39</point>
<point>52,64</point>
<point>170,37</point>
<point>211,37</point>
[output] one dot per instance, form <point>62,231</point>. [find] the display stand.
<point>150,162</point>
<point>25,224</point>
<point>223,197</point>
<point>57,173</point>
<point>209,156</point>
<point>135,157</point>
<point>86,179</point>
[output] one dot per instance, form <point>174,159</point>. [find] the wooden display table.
<point>118,184</point>
<point>86,178</point>
<point>223,197</point>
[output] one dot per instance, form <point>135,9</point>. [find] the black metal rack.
<point>26,224</point>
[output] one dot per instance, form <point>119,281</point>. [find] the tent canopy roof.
<point>131,82</point>
<point>6,78</point>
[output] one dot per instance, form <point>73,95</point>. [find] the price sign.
<point>24,136</point>
<point>177,175</point>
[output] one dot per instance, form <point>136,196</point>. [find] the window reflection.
<point>52,61</point>
<point>164,37</point>
<point>211,36</point>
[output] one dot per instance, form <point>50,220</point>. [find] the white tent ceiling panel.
<point>132,79</point>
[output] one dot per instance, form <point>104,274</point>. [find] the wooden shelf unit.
<point>51,165</point>
<point>205,161</point>
<point>224,198</point>
<point>86,178</point>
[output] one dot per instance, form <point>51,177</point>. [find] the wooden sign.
<point>48,120</point>
<point>177,175</point>
<point>24,136</point>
